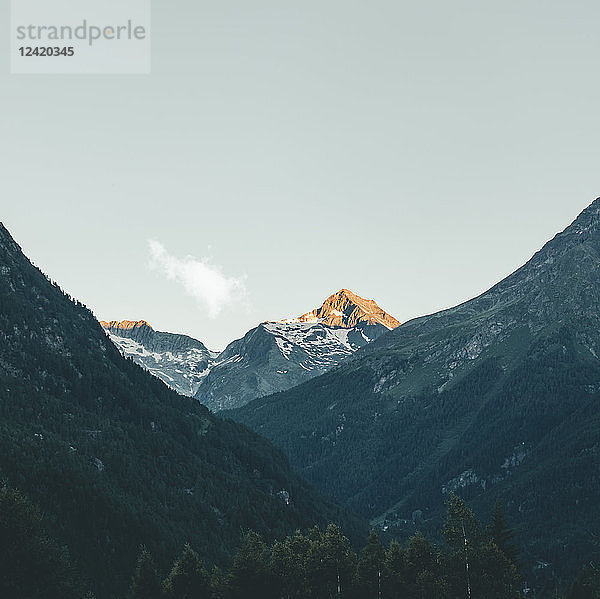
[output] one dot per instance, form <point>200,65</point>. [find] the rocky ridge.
<point>346,309</point>
<point>271,357</point>
<point>179,361</point>
<point>494,398</point>
<point>277,355</point>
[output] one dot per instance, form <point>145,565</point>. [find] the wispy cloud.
<point>200,278</point>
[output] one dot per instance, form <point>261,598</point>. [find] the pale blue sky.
<point>412,152</point>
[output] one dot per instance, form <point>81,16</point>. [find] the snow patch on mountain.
<point>322,345</point>
<point>274,356</point>
<point>180,371</point>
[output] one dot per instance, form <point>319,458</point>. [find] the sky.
<point>413,152</point>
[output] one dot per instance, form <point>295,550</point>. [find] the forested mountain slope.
<point>498,397</point>
<point>114,458</point>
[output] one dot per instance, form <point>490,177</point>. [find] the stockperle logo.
<point>80,36</point>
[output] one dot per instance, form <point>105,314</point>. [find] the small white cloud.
<point>200,278</point>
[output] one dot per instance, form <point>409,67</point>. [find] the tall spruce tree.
<point>219,583</point>
<point>250,572</point>
<point>331,564</point>
<point>394,582</point>
<point>463,535</point>
<point>424,572</point>
<point>371,569</point>
<point>146,580</point>
<point>188,578</point>
<point>476,566</point>
<point>288,566</point>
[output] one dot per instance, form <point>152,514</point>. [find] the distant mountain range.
<point>113,457</point>
<point>178,360</point>
<point>274,356</point>
<point>498,397</point>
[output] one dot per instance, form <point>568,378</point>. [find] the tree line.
<point>475,562</point>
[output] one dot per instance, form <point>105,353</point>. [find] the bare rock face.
<point>278,355</point>
<point>125,325</point>
<point>179,361</point>
<point>272,357</point>
<point>346,309</point>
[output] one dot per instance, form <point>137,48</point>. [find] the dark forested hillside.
<point>496,398</point>
<point>322,565</point>
<point>113,458</point>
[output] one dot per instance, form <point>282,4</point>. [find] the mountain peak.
<point>346,309</point>
<point>125,325</point>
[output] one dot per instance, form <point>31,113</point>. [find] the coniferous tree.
<point>424,573</point>
<point>219,585</point>
<point>188,579</point>
<point>461,527</point>
<point>283,567</point>
<point>288,566</point>
<point>494,576</point>
<point>394,582</point>
<point>331,564</point>
<point>463,535</point>
<point>371,568</point>
<point>250,573</point>
<point>476,566</point>
<point>146,580</point>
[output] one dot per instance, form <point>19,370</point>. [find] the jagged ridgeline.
<point>179,361</point>
<point>273,356</point>
<point>278,355</point>
<point>114,458</point>
<point>497,397</point>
